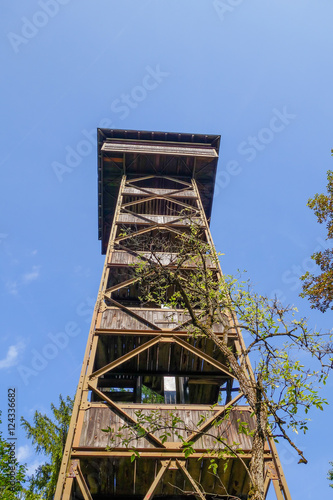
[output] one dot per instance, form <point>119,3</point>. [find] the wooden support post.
<point>64,484</point>
<point>66,494</point>
<point>279,470</point>
<point>276,484</point>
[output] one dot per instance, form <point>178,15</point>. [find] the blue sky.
<point>257,73</point>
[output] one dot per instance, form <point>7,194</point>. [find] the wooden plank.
<point>207,477</point>
<point>68,485</point>
<point>150,493</point>
<point>223,472</point>
<point>132,218</point>
<point>136,333</point>
<point>194,468</point>
<point>125,415</point>
<point>236,477</point>
<point>208,423</point>
<point>146,471</point>
<point>131,312</point>
<point>124,477</point>
<point>205,151</point>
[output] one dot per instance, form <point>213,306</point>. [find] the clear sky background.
<point>258,73</point>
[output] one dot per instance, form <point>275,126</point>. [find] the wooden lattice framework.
<point>146,180</point>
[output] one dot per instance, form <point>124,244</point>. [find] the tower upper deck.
<point>137,153</point>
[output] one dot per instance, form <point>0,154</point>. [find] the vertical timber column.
<point>81,403</point>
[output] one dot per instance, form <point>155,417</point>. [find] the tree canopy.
<point>330,475</point>
<point>280,389</point>
<point>319,289</point>
<point>48,436</point>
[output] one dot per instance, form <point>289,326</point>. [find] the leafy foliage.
<point>150,396</point>
<point>49,437</point>
<point>170,427</point>
<point>191,282</point>
<point>330,475</point>
<point>280,390</point>
<point>319,289</point>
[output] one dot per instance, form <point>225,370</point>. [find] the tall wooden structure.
<point>146,180</point>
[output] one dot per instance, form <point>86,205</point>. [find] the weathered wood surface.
<point>121,257</point>
<point>159,206</point>
<point>174,220</point>
<point>98,418</point>
<point>92,435</point>
<point>115,318</point>
<point>166,357</point>
<point>111,477</point>
<point>188,193</point>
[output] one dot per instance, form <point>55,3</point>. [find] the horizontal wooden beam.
<point>185,192</point>
<point>107,331</point>
<point>153,453</point>
<point>154,406</point>
<point>175,373</point>
<point>164,332</point>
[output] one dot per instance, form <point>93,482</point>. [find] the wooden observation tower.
<point>146,180</point>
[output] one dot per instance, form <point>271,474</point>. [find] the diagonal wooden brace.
<point>188,476</point>
<point>150,493</point>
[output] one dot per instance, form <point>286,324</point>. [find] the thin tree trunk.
<point>258,445</point>
<point>255,399</point>
<point>254,396</point>
<point>256,467</point>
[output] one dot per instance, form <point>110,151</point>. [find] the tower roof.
<point>137,153</point>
